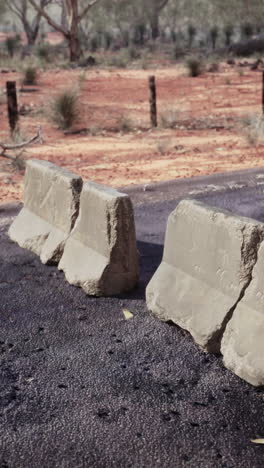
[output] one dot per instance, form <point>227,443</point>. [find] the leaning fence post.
<point>152,101</point>
<point>12,105</point>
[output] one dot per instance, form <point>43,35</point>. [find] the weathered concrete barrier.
<point>100,254</point>
<point>51,205</point>
<point>243,341</point>
<point>207,264</point>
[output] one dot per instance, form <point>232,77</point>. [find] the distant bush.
<point>43,52</point>
<point>213,33</point>
<point>192,31</point>
<point>12,44</point>
<point>125,38</point>
<point>133,52</point>
<point>195,66</point>
<point>179,52</point>
<point>95,42</point>
<point>254,126</point>
<point>170,118</point>
<point>247,48</point>
<point>228,32</point>
<point>30,75</point>
<point>119,60</point>
<point>65,109</point>
<point>247,30</point>
<point>124,124</point>
<point>107,40</point>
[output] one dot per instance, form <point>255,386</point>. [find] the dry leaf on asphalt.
<point>128,315</point>
<point>257,441</point>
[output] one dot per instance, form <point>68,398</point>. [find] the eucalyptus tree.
<point>69,27</point>
<point>25,13</point>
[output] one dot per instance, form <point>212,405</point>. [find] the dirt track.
<point>208,137</point>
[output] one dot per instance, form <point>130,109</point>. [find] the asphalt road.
<point>80,386</point>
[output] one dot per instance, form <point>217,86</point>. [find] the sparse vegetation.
<point>12,45</point>
<point>124,124</point>
<point>179,52</point>
<point>228,32</point>
<point>30,75</point>
<point>169,118</point>
<point>195,66</point>
<point>43,52</point>
<point>247,30</point>
<point>214,31</point>
<point>163,146</point>
<point>64,110</point>
<point>254,129</point>
<point>192,31</point>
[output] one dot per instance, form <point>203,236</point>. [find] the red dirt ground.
<point>209,136</point>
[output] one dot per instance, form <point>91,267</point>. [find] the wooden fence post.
<point>12,105</point>
<point>152,101</point>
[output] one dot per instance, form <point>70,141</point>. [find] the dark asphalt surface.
<point>80,386</point>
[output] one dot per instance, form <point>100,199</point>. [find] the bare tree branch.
<point>23,144</point>
<point>162,4</point>
<point>86,9</point>
<point>13,7</point>
<point>48,18</point>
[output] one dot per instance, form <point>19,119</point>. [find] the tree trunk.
<point>74,41</point>
<point>74,47</point>
<point>31,36</point>
<point>154,25</point>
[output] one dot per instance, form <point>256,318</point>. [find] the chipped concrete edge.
<point>249,258</point>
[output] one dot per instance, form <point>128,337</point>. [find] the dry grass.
<point>64,110</point>
<point>254,129</point>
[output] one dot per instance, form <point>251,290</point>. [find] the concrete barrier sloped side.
<point>100,254</point>
<point>242,345</point>
<point>207,262</point>
<point>51,205</point>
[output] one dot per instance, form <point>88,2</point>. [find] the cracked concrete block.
<point>101,255</point>
<point>51,205</point>
<point>242,345</point>
<point>207,263</point>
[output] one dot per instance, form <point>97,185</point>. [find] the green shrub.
<point>124,124</point>
<point>254,129</point>
<point>214,31</point>
<point>247,30</point>
<point>43,52</point>
<point>12,44</point>
<point>65,109</point>
<point>195,66</point>
<point>30,75</point>
<point>95,42</point>
<point>191,34</point>
<point>228,32</point>
<point>119,60</point>
<point>179,52</point>
<point>133,52</point>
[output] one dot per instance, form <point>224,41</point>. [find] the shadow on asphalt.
<point>150,259</point>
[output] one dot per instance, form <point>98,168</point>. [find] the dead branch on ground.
<point>19,162</point>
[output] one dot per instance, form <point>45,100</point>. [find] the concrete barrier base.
<point>101,255</point>
<point>207,264</point>
<point>51,205</point>
<point>243,341</point>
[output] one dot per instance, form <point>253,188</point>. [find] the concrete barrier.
<point>100,254</point>
<point>242,345</point>
<point>51,205</point>
<point>207,263</point>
